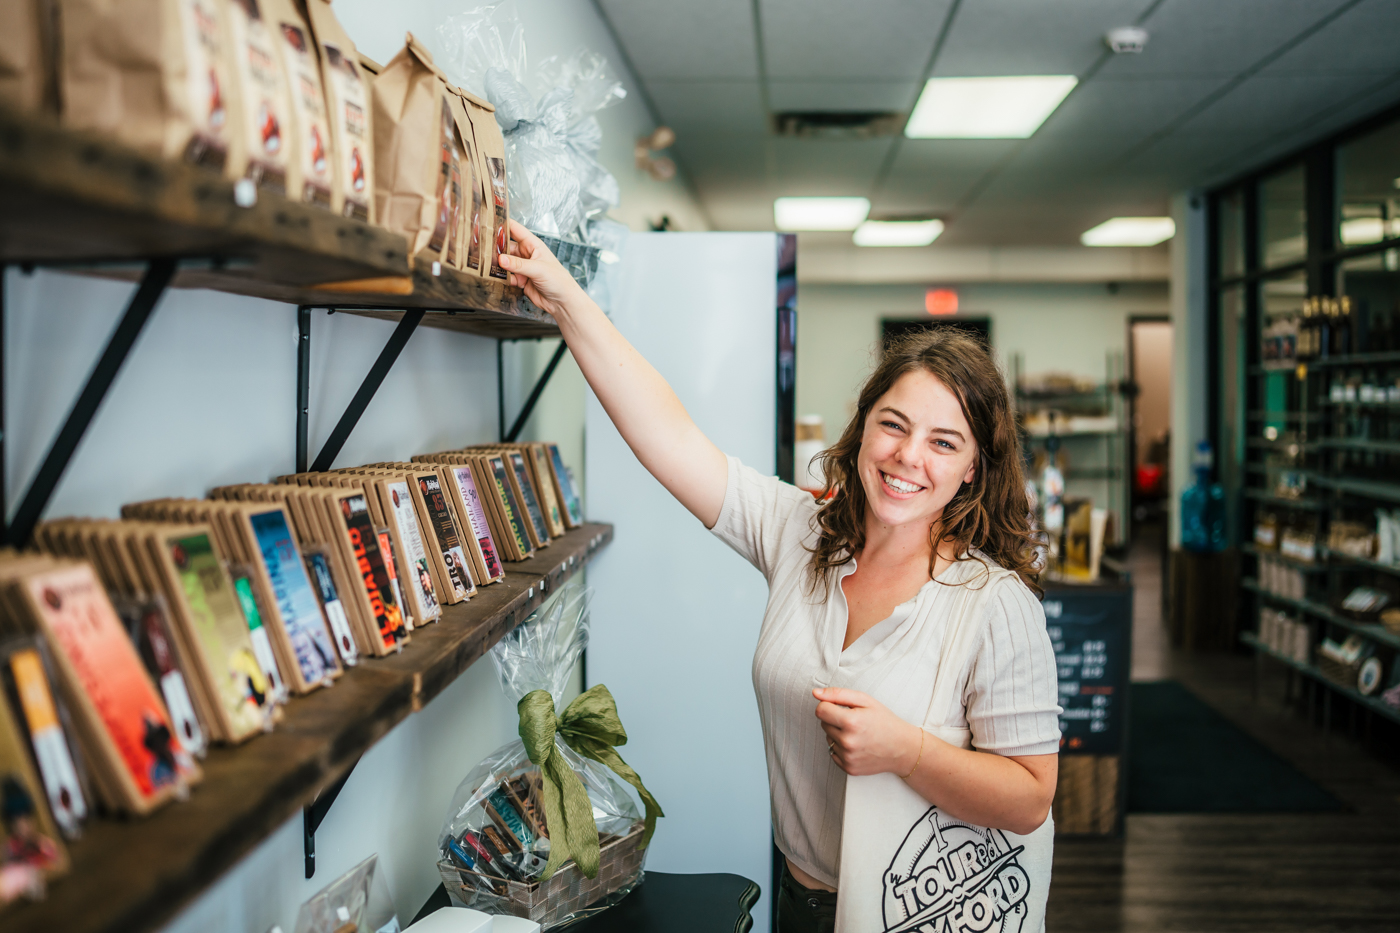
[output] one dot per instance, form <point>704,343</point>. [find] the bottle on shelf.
<point>1342,341</point>
<point>1306,331</point>
<point>1203,507</point>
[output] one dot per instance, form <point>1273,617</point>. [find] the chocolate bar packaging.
<point>29,686</point>
<point>508,846</point>
<point>32,849</point>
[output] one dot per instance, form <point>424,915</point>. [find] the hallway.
<point>1239,873</point>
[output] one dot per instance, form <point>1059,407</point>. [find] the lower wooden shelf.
<point>1375,704</point>
<point>134,875</point>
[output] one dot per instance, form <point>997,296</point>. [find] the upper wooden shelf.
<point>82,202</point>
<point>135,875</point>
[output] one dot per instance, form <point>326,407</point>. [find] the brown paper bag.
<point>154,74</point>
<point>311,168</point>
<point>492,146</point>
<point>418,153</point>
<point>268,141</point>
<point>347,89</point>
<point>28,62</point>
<point>476,219</point>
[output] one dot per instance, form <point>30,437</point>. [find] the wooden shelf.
<point>86,204</point>
<point>1375,704</point>
<point>1260,495</point>
<point>1364,488</point>
<point>134,875</point>
<point>1249,547</point>
<point>1372,630</point>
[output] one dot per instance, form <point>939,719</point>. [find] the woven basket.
<point>565,897</point>
<point>1343,675</point>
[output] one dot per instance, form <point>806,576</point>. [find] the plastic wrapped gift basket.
<point>543,828</point>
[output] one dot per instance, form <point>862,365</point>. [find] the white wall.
<point>677,613</point>
<point>208,397</point>
<point>1190,339</point>
<point>1066,327</point>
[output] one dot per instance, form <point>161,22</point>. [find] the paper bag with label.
<point>155,74</point>
<point>418,154</point>
<point>347,88</point>
<point>27,56</point>
<point>311,166</point>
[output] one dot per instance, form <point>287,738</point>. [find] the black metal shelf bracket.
<point>314,814</point>
<point>397,340</point>
<point>157,278</point>
<point>535,393</point>
<point>505,436</point>
<point>303,382</point>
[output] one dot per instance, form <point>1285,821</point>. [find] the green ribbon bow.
<point>591,727</point>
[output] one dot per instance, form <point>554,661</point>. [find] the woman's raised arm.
<point>644,408</point>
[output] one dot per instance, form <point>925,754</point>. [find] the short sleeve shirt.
<point>1010,694</point>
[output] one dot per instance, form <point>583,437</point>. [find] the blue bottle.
<point>1203,507</point>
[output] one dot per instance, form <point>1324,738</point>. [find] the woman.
<point>930,508</point>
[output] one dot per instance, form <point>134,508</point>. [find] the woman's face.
<point>916,451</point>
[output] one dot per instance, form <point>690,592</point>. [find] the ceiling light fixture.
<point>1130,40</point>
<point>897,232</point>
<point>1006,107</point>
<point>1130,231</point>
<point>820,213</point>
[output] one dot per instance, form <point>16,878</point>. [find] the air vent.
<point>840,124</point>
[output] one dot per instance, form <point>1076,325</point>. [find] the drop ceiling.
<point>1222,86</point>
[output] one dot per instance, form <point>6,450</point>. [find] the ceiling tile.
<point>893,96</point>
<point>1363,39</point>
<point>1272,102</point>
<point>681,39</point>
<point>1211,37</point>
<point>933,175</point>
<point>811,40</point>
<point>1130,109</point>
<point>1013,37</point>
<point>710,108</point>
<point>825,166</point>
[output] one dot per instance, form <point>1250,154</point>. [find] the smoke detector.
<point>1126,39</point>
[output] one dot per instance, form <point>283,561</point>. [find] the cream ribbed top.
<point>1010,697</point>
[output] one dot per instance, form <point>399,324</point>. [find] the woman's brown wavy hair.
<point>992,513</point>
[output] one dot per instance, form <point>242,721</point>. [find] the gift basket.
<point>543,827</point>
<point>547,113</point>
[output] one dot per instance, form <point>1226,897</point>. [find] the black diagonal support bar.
<point>407,325</point>
<point>138,311</point>
<point>313,814</point>
<point>535,393</point>
<point>303,383</point>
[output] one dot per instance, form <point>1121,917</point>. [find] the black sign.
<point>1090,628</point>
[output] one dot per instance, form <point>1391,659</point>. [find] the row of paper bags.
<point>274,94</point>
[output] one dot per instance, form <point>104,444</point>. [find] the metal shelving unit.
<point>1105,476</point>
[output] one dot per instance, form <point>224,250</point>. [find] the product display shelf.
<point>1371,703</point>
<point>135,875</point>
<point>1365,488</point>
<point>1305,503</point>
<point>1355,445</point>
<point>82,203</point>
<point>1305,566</point>
<point>1337,557</point>
<point>1372,630</point>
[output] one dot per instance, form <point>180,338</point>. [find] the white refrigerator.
<point>676,613</point>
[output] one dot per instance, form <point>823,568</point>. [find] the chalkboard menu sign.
<point>1090,628</point>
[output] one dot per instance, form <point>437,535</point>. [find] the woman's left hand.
<point>863,735</point>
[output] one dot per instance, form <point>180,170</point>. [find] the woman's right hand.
<point>545,280</point>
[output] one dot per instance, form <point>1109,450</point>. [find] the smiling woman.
<point>905,681</point>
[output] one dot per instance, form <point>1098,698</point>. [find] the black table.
<point>664,903</point>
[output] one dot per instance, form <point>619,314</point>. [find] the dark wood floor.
<point>1241,873</point>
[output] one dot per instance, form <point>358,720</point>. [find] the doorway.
<point>1150,414</point>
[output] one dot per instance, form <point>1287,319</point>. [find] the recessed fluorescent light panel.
<point>897,232</point>
<point>1130,231</point>
<point>820,213</point>
<point>1007,107</point>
